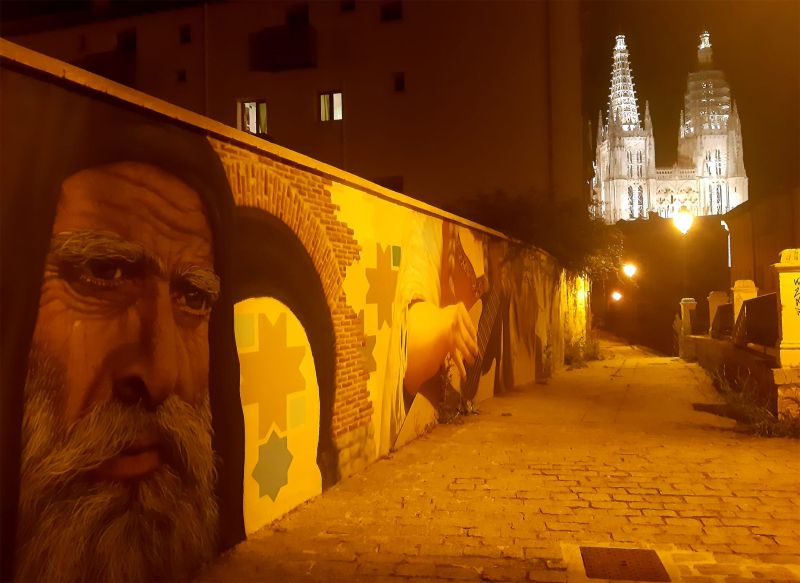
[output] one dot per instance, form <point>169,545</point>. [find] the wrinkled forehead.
<point>141,203</point>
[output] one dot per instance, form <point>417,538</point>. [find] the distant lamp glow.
<point>683,220</point>
<point>616,296</point>
<point>629,269</point>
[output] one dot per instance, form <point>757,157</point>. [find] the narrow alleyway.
<point>611,455</point>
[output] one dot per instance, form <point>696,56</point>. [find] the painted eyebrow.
<point>203,279</point>
<point>81,247</point>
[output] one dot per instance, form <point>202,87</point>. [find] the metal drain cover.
<point>623,564</point>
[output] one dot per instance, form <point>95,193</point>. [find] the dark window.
<point>391,10</point>
<point>297,15</point>
<point>347,5</point>
<point>330,106</point>
<point>126,40</point>
<point>185,34</point>
<point>181,75</point>
<point>399,82</point>
<point>283,48</point>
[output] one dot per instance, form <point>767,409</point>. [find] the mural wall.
<point>229,322</point>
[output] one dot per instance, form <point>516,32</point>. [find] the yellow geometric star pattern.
<point>269,375</point>
<point>382,284</point>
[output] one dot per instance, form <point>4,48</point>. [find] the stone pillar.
<point>688,306</point>
<point>743,289</point>
<point>715,300</point>
<point>685,344</point>
<point>788,274</point>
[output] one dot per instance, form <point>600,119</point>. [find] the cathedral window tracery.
<point>631,207</point>
<point>641,201</point>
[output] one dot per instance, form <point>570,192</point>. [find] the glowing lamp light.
<point>629,269</point>
<point>616,296</point>
<point>683,220</point>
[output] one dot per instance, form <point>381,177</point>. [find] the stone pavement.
<point>608,455</point>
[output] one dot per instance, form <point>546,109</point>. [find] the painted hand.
<point>461,336</point>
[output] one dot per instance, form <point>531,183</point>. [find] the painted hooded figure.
<point>122,436</point>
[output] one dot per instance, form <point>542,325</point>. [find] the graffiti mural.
<point>280,400</point>
<point>202,331</point>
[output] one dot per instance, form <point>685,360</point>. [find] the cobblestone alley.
<point>611,455</point>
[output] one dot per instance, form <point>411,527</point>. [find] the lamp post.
<point>683,220</point>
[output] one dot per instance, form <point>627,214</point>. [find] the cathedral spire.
<point>622,106</point>
<point>648,123</point>
<point>704,52</point>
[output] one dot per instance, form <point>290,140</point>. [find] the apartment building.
<point>440,100</point>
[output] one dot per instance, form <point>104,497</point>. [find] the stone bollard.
<point>787,378</point>
<point>743,289</point>
<point>686,346</point>
<point>715,300</point>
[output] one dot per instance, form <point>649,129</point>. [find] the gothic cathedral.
<point>709,176</point>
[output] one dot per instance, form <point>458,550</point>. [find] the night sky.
<point>756,44</point>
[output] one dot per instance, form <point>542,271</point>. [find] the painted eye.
<point>196,299</point>
<point>193,299</point>
<point>104,270</point>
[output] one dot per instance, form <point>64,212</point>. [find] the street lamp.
<point>629,269</point>
<point>683,220</point>
<point>616,296</point>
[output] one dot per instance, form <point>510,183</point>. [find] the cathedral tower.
<point>710,138</point>
<point>625,163</point>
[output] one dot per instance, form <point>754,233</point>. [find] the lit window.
<point>330,106</point>
<point>253,117</point>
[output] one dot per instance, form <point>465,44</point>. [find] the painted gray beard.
<point>76,528</point>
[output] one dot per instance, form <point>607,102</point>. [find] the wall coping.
<point>70,74</point>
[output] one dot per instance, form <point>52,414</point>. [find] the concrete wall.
<point>492,98</point>
<point>329,272</point>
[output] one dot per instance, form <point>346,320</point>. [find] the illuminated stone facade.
<point>709,177</point>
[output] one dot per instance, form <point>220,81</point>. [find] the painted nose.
<point>156,377</point>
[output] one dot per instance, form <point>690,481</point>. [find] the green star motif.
<point>272,470</point>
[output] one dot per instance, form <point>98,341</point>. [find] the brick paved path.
<point>610,455</point>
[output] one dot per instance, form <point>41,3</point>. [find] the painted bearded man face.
<point>117,475</point>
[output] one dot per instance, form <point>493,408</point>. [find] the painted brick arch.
<point>302,201</point>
